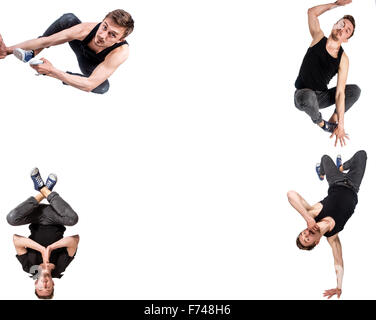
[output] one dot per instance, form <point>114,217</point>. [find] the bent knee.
<point>304,97</point>
<point>11,218</point>
<point>103,88</point>
<point>354,91</point>
<point>73,219</point>
<point>70,19</point>
<point>362,154</point>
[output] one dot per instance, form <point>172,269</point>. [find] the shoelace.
<point>39,180</point>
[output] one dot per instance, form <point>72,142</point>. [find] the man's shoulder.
<point>119,53</point>
<point>83,29</point>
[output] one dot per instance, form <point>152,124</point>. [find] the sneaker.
<point>51,181</point>
<point>329,126</point>
<point>37,179</point>
<point>23,55</point>
<point>339,161</point>
<point>318,171</point>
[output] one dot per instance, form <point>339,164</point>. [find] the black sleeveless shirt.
<point>88,59</point>
<point>318,67</point>
<point>339,205</point>
<point>100,56</point>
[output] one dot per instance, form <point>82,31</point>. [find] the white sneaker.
<point>23,55</point>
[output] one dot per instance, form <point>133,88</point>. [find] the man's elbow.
<point>76,238</point>
<point>16,239</point>
<point>291,195</point>
<point>311,12</point>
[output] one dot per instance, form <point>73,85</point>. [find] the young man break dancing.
<point>46,253</point>
<point>323,60</point>
<point>329,216</point>
<point>100,49</point>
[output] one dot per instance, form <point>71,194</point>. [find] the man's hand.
<point>340,134</point>
<point>330,293</point>
<point>3,48</point>
<point>342,2</point>
<point>46,68</point>
<point>312,225</point>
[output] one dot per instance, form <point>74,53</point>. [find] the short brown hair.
<point>45,297</point>
<point>300,246</point>
<point>123,19</point>
<point>352,20</point>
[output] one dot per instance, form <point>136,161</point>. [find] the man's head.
<point>307,239</point>
<point>117,25</point>
<point>344,29</point>
<point>44,285</point>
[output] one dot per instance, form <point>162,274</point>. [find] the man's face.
<point>308,238</point>
<point>342,30</point>
<point>44,285</point>
<point>108,34</point>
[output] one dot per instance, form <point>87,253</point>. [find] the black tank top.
<point>98,57</point>
<point>339,205</point>
<point>318,67</point>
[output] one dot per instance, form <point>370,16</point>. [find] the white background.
<point>179,173</point>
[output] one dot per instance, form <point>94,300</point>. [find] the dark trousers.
<point>58,212</point>
<point>311,101</point>
<point>353,178</point>
<point>87,66</point>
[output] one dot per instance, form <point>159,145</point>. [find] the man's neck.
<point>333,44</point>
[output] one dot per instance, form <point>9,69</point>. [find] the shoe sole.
<point>34,172</point>
<point>19,54</point>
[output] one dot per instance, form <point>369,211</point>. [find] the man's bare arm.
<point>77,32</point>
<point>313,21</point>
<point>101,73</point>
<point>71,243</point>
<point>340,100</point>
<point>335,243</point>
<point>305,209</point>
<point>21,243</point>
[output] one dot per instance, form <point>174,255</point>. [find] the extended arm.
<point>340,100</point>
<point>338,265</point>
<point>315,12</point>
<point>101,73</point>
<point>71,243</point>
<point>75,32</point>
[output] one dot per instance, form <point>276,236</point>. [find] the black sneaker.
<point>329,126</point>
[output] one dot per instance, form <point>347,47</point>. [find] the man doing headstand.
<point>46,253</point>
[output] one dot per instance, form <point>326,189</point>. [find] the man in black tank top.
<point>100,49</point>
<point>329,216</point>
<point>324,59</point>
<point>46,253</point>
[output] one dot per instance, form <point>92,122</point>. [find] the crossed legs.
<point>31,211</point>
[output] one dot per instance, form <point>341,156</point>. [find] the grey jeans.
<point>353,178</point>
<point>311,101</point>
<point>58,212</point>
